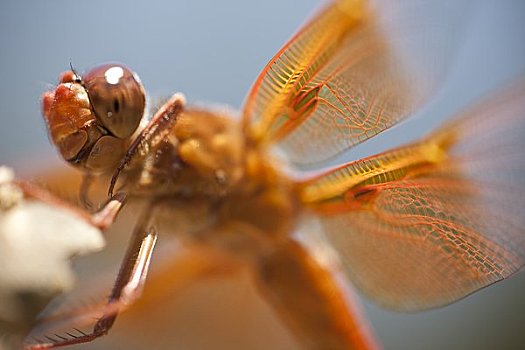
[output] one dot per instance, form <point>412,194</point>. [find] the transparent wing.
<point>354,70</point>
<point>424,225</point>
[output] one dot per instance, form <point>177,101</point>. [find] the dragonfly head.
<point>92,118</point>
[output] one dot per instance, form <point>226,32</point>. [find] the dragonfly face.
<point>91,118</point>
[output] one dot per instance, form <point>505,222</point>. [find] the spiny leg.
<point>133,271</point>
<point>127,288</point>
<point>179,266</point>
<point>155,132</point>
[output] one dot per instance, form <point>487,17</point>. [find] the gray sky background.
<point>212,51</point>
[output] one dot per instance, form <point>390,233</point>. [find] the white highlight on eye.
<point>113,75</point>
<point>135,75</point>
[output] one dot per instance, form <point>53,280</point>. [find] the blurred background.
<point>212,51</point>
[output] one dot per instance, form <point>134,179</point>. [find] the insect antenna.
<point>77,77</point>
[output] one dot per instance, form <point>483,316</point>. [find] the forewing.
<point>354,70</point>
<point>430,223</point>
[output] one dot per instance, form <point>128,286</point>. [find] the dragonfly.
<point>416,227</point>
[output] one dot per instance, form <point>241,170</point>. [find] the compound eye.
<point>117,98</point>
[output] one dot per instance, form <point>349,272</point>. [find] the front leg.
<point>152,135</point>
<point>102,219</point>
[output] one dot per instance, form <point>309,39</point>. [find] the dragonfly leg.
<point>155,132</point>
<point>126,289</point>
<point>101,219</point>
<point>108,213</point>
